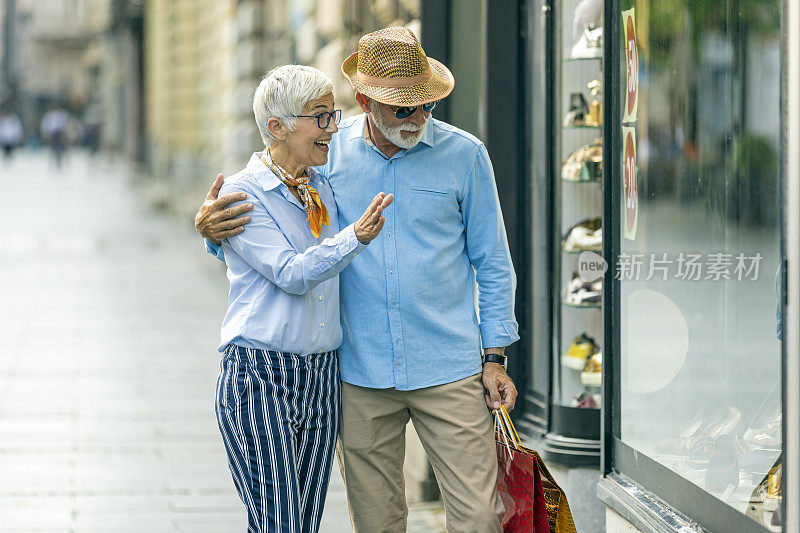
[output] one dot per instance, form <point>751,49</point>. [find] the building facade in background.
<point>52,55</point>
<point>80,55</point>
<point>204,58</point>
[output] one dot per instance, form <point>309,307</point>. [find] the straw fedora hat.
<point>391,67</point>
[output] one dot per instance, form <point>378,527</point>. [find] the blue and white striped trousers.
<point>279,415</point>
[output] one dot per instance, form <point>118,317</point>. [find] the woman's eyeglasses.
<point>404,112</point>
<point>324,119</point>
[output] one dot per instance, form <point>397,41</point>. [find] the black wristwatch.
<point>495,358</point>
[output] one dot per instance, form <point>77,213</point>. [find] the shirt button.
<point>391,271</point>
<point>390,234</point>
<point>319,298</point>
<point>322,324</point>
<point>394,304</point>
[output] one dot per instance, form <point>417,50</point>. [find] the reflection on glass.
<point>700,359</point>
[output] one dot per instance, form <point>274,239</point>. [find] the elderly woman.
<point>278,389</point>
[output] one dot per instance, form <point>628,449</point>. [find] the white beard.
<point>392,133</point>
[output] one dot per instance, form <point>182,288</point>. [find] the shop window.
<point>698,210</point>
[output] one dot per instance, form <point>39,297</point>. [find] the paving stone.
<point>125,501</point>
<point>24,473</point>
<point>127,520</point>
<point>224,502</point>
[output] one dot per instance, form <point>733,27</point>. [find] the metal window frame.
<point>790,101</point>
<point>536,402</point>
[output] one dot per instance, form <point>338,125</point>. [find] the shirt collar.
<point>359,131</point>
<point>427,135</point>
<point>267,179</point>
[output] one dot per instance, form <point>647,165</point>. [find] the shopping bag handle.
<point>507,419</point>
<point>499,427</point>
<point>505,428</point>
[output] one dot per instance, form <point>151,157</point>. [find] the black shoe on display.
<point>581,292</point>
<point>578,109</point>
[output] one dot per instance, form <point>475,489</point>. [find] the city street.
<point>108,332</point>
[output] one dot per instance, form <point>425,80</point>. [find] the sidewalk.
<point>108,329</point>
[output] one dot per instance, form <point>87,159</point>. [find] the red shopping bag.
<point>519,482</point>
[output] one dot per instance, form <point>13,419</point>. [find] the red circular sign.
<point>632,66</point>
<point>629,181</point>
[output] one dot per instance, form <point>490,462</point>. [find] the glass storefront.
<point>681,114</point>
<point>698,254</point>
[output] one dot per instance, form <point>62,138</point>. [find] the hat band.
<point>376,81</point>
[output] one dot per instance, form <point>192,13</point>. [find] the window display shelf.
<point>582,306</point>
<point>581,181</point>
<point>578,252</point>
<point>575,59</point>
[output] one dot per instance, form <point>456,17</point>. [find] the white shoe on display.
<point>589,46</point>
<point>581,238</point>
<point>587,13</point>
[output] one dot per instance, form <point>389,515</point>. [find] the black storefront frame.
<point>623,467</point>
<point>564,434</point>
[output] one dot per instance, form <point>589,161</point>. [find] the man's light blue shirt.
<point>408,303</point>
<point>284,293</point>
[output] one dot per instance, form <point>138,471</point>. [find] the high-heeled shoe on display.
<point>585,235</point>
<point>595,115</point>
<point>590,44</point>
<point>578,109</point>
<point>585,163</point>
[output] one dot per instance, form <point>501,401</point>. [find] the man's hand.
<point>214,221</point>
<point>500,387</point>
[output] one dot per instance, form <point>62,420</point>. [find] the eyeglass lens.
<point>324,119</point>
<point>403,112</point>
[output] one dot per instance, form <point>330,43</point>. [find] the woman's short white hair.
<point>284,92</point>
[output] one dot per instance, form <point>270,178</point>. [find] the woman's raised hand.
<point>371,222</point>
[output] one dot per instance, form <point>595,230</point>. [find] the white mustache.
<point>408,127</point>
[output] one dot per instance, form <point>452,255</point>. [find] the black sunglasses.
<point>403,112</point>
<point>324,119</point>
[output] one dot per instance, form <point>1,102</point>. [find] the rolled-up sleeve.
<point>215,250</point>
<point>487,248</point>
<point>264,247</point>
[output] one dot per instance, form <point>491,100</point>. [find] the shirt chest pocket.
<point>433,207</point>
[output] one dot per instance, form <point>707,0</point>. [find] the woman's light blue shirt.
<point>284,293</point>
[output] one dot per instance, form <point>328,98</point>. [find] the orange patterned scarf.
<point>317,213</point>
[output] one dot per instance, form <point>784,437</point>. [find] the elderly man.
<point>412,338</point>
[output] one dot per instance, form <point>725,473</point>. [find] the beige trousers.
<point>456,430</point>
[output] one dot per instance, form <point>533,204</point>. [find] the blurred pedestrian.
<point>53,129</point>
<point>10,133</point>
<point>92,128</point>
